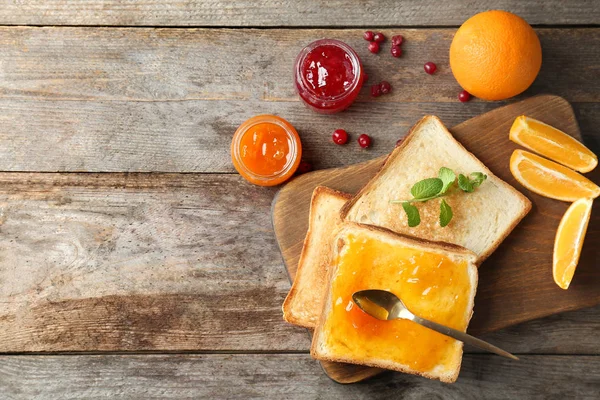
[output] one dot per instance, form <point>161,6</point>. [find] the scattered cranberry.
<point>364,141</point>
<point>430,67</point>
<point>396,51</point>
<point>374,47</point>
<point>379,37</point>
<point>304,167</point>
<point>385,87</point>
<point>340,136</point>
<point>397,40</point>
<point>368,35</point>
<point>399,142</point>
<point>464,96</point>
<point>375,90</point>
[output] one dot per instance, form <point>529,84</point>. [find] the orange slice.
<point>569,240</point>
<point>550,179</point>
<point>552,143</point>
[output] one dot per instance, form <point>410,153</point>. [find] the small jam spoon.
<point>386,306</point>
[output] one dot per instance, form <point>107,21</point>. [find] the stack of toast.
<point>364,242</point>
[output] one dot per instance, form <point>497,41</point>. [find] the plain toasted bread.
<point>342,340</point>
<point>482,219</point>
<point>304,302</point>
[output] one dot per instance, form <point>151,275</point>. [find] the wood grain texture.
<point>284,12</point>
<point>105,64</point>
<point>191,136</point>
<point>111,100</point>
<point>168,262</point>
<point>515,283</point>
<point>285,376</point>
<point>195,136</point>
<point>130,262</point>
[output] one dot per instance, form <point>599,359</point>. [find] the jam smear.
<point>432,285</point>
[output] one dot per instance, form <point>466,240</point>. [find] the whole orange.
<point>495,55</point>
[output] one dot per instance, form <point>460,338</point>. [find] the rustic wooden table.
<point>134,262</point>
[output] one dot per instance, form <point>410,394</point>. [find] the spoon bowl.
<point>381,304</point>
<point>386,306</point>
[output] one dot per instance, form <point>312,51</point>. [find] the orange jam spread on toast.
<point>431,285</point>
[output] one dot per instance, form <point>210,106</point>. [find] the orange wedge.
<point>550,179</point>
<point>569,240</point>
<point>552,143</point>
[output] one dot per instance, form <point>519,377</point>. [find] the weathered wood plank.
<point>285,376</point>
<point>125,262</point>
<point>284,13</point>
<point>109,100</point>
<point>119,262</point>
<point>557,334</point>
<point>194,136</point>
<point>240,64</point>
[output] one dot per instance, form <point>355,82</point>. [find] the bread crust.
<point>420,242</point>
<point>526,203</point>
<point>288,314</point>
<point>429,245</point>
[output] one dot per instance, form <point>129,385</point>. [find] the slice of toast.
<point>304,302</point>
<point>436,281</point>
<point>482,219</point>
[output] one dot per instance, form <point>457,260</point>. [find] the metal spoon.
<point>386,306</point>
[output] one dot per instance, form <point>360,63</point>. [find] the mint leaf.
<point>427,188</point>
<point>448,177</point>
<point>465,184</point>
<point>477,178</point>
<point>445,213</point>
<point>414,219</point>
<point>433,188</point>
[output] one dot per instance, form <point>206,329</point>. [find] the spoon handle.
<point>463,337</point>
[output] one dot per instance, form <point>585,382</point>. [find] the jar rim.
<point>356,66</point>
<point>291,133</point>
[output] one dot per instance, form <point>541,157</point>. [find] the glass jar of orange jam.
<point>266,150</point>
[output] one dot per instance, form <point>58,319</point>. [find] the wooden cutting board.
<point>515,283</point>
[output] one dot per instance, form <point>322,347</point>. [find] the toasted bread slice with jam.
<point>482,219</point>
<point>304,302</point>
<point>436,281</point>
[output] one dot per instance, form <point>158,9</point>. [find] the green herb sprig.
<point>433,188</point>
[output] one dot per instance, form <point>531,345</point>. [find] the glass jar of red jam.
<point>266,150</point>
<point>328,76</point>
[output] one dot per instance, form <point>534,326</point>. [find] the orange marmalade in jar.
<point>266,150</point>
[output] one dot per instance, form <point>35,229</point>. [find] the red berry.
<point>374,47</point>
<point>464,96</point>
<point>397,40</point>
<point>399,142</point>
<point>340,136</point>
<point>304,167</point>
<point>379,37</point>
<point>375,90</point>
<point>396,51</point>
<point>364,141</point>
<point>385,87</point>
<point>368,35</point>
<point>430,67</point>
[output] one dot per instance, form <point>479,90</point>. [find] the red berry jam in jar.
<point>328,76</point>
